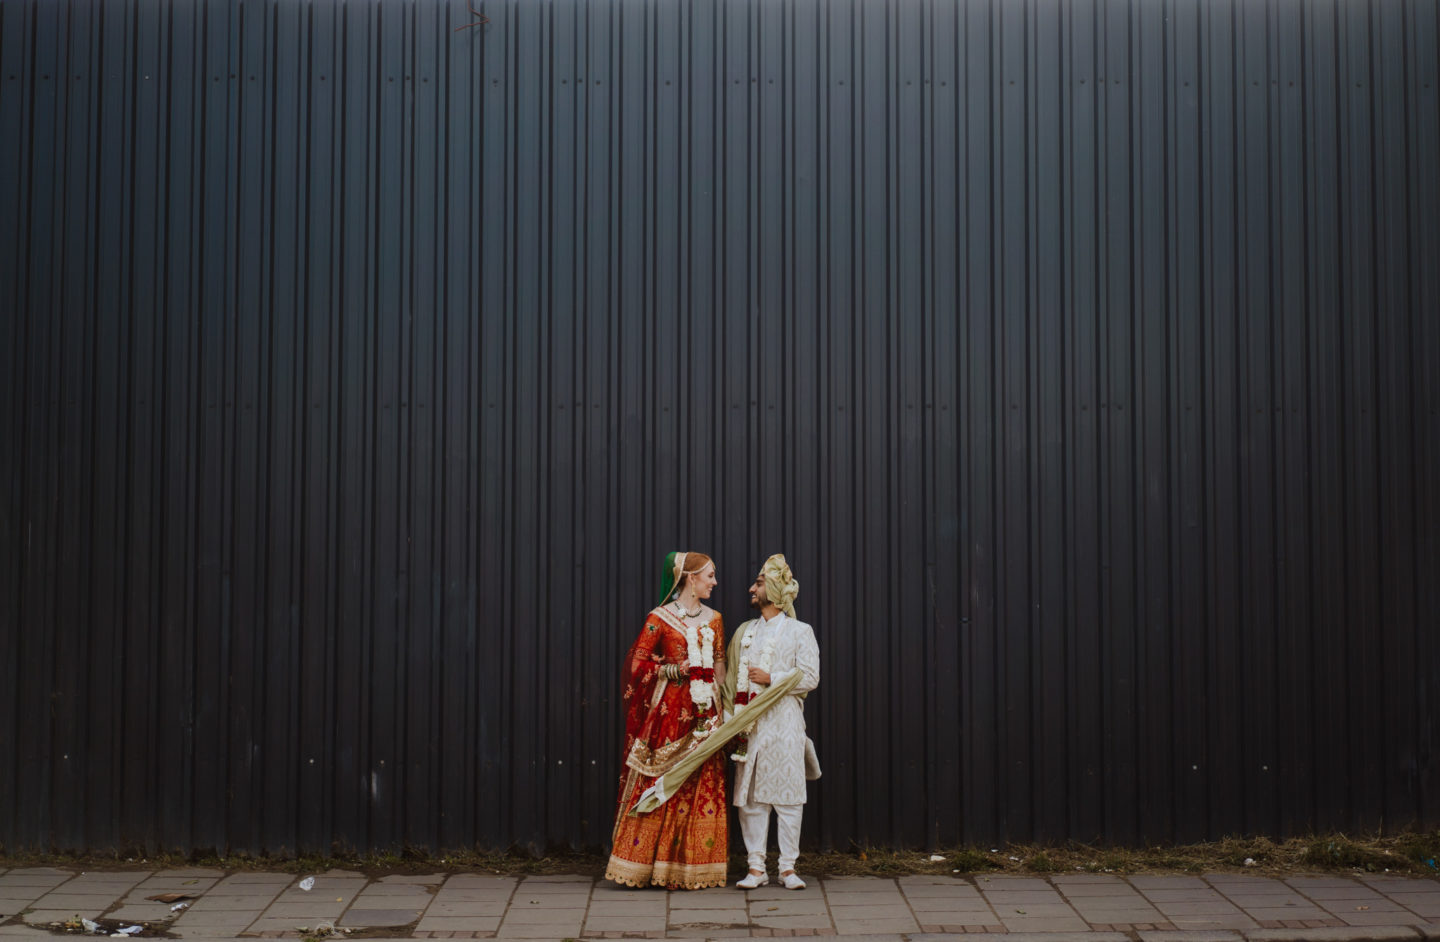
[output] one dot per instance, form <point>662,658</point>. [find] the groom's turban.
<point>781,586</point>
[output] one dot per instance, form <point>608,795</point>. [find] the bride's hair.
<point>694,562</point>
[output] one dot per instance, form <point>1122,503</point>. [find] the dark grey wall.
<point>358,368</point>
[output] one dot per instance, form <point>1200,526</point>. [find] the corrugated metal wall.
<point>360,363</point>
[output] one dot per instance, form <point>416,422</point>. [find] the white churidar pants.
<point>755,828</point>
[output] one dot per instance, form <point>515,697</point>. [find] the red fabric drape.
<point>685,842</point>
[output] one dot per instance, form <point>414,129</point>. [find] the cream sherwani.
<point>774,773</point>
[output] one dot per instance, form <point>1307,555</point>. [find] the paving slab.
<point>1069,878</point>
<point>708,917</point>
<point>855,884</point>
<point>260,876</point>
<point>448,892</point>
<point>392,890</point>
<point>1391,885</point>
<point>939,891</point>
<point>1197,907</point>
<point>632,923</point>
<point>1349,891</point>
<point>142,912</point>
<point>413,879</point>
<point>319,909</point>
<point>1164,882</point>
<point>221,919</point>
<point>379,917</point>
<point>60,900</point>
<point>42,917</point>
<point>690,902</point>
<point>638,908</point>
<point>1239,921</point>
<point>779,892</point>
<point>544,917</point>
<point>278,924</point>
<point>1096,890</point>
<point>212,901</point>
<point>800,907</point>
<point>895,924</point>
<point>1006,881</point>
<point>458,923</point>
<point>467,908</point>
<point>798,921</point>
<point>1389,934</point>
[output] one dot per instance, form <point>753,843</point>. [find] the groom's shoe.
<point>792,880</point>
<point>753,880</point>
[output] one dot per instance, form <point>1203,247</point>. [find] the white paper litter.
<point>307,884</point>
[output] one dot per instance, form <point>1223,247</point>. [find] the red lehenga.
<point>685,842</point>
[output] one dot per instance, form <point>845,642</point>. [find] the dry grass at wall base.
<point>1412,853</point>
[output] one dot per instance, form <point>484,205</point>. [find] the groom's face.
<point>757,592</point>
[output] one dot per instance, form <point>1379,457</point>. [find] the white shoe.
<point>792,880</point>
<point>753,881</point>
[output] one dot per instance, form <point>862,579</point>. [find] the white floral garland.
<point>742,676</point>
<point>700,648</point>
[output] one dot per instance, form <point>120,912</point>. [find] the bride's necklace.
<point>681,607</point>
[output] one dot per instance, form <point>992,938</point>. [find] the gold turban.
<point>781,586</point>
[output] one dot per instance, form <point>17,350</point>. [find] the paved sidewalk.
<point>1213,908</point>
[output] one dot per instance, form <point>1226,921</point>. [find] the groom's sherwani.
<point>774,771</point>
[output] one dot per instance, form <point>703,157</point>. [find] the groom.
<point>771,771</point>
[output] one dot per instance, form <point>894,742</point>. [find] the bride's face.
<point>704,581</point>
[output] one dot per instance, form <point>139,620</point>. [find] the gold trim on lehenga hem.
<point>665,873</point>
<point>659,761</point>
